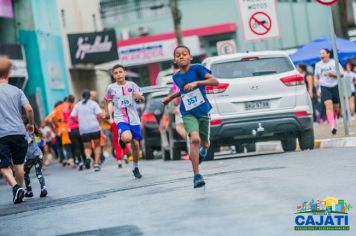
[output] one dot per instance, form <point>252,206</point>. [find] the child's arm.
<point>169,98</point>
<point>138,97</point>
<point>208,81</point>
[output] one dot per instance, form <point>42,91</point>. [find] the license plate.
<point>257,105</point>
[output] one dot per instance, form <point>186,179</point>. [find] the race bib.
<point>124,101</point>
<point>192,99</point>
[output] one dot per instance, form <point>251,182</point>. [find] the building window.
<point>124,10</point>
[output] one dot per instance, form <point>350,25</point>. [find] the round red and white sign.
<point>326,2</point>
<point>260,23</point>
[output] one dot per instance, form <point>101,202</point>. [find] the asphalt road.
<point>245,195</point>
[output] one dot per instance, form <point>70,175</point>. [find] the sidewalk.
<point>323,138</point>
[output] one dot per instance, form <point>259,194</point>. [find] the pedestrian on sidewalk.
<point>34,158</point>
<point>325,73</point>
<point>350,78</point>
<point>125,95</point>
<point>191,80</point>
<point>13,145</point>
<point>89,114</point>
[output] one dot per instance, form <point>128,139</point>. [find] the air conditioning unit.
<point>143,30</point>
<point>125,34</point>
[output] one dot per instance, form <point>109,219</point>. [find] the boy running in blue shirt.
<point>191,80</point>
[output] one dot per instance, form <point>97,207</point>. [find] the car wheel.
<point>148,153</point>
<point>176,154</point>
<point>306,139</point>
<point>251,147</point>
<point>289,142</point>
<point>239,148</point>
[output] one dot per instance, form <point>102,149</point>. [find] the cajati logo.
<point>328,214</point>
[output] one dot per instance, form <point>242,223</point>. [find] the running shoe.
<point>29,194</point>
<point>87,163</point>
<point>334,131</point>
<point>137,173</point>
<point>198,181</point>
<point>122,144</point>
<point>202,154</point>
<point>19,194</point>
<point>119,164</point>
<point>81,166</point>
<point>43,192</point>
<point>96,168</point>
<point>126,160</point>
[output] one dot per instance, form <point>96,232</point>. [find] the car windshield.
<point>153,104</point>
<point>253,67</point>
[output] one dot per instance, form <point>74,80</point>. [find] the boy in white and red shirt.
<point>124,94</point>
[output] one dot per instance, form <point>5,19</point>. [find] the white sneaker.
<point>119,164</point>
<point>126,160</point>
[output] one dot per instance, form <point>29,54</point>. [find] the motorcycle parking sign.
<point>259,19</point>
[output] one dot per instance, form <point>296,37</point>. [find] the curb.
<point>318,144</point>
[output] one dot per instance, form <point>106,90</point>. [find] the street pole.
<point>344,108</point>
<point>177,17</point>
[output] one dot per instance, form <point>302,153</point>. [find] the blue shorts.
<point>134,129</point>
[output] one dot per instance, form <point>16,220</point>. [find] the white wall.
<point>78,16</point>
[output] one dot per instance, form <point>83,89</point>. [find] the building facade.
<point>35,27</point>
<point>80,19</point>
<point>145,29</point>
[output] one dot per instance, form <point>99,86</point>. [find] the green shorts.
<point>200,125</point>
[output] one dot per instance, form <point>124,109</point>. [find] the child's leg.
<point>126,151</point>
<point>194,150</point>
<point>136,138</point>
<point>27,168</point>
<point>191,125</point>
<point>115,141</point>
<point>135,150</point>
<point>204,132</point>
<point>97,151</point>
<point>126,137</point>
<point>38,168</point>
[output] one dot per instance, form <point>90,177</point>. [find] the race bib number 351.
<point>192,99</point>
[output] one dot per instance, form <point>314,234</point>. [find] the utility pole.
<point>177,18</point>
<point>340,18</point>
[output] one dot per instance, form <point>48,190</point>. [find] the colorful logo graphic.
<point>328,214</point>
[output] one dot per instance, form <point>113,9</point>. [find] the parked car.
<point>172,144</point>
<point>146,91</point>
<point>165,77</point>
<point>261,97</point>
<point>150,118</point>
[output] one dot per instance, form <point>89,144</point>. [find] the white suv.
<point>261,97</point>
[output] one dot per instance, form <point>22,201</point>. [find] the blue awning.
<point>309,53</point>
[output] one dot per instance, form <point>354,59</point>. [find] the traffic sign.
<point>326,2</point>
<point>260,23</point>
<point>259,19</point>
<point>226,47</point>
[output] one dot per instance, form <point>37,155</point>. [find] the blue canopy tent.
<point>309,53</point>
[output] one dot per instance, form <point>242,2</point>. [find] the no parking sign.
<point>259,19</point>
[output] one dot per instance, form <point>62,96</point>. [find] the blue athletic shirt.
<point>196,72</point>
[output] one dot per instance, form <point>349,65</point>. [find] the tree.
<point>177,18</point>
